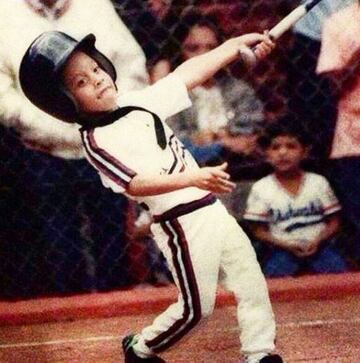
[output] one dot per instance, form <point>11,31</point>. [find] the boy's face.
<point>285,153</point>
<point>92,88</point>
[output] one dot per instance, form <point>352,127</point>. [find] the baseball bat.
<point>283,26</point>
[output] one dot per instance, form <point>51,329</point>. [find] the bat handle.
<point>248,55</point>
<point>275,33</point>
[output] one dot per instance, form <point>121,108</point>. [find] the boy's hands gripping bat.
<point>249,56</point>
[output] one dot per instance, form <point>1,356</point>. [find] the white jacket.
<point>19,26</point>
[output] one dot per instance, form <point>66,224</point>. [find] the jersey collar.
<point>110,117</point>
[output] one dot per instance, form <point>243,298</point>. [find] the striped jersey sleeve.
<point>330,202</point>
<point>256,206</point>
<point>107,164</point>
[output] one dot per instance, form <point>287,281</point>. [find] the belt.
<point>185,208</point>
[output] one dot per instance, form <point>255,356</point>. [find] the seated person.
<point>293,211</point>
<point>225,110</point>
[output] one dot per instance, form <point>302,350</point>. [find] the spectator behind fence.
<point>68,198</point>
<point>37,130</point>
<point>226,113</point>
<point>340,60</point>
<point>293,211</point>
<point>226,116</point>
<point>310,94</point>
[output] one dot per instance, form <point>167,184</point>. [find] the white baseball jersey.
<point>292,217</point>
<point>123,149</point>
<point>192,229</point>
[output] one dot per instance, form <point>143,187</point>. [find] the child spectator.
<point>294,211</point>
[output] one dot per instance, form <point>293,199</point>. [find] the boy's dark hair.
<point>286,126</point>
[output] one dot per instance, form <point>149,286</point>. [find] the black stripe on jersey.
<point>171,170</point>
<point>106,163</point>
<point>109,158</point>
<point>299,225</point>
<point>175,154</point>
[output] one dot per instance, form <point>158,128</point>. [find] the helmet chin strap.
<point>103,119</point>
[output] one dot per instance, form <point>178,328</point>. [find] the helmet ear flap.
<point>68,104</point>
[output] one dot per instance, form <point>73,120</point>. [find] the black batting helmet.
<point>41,68</point>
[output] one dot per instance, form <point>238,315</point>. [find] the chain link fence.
<point>61,232</point>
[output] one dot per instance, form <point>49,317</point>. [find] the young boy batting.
<point>137,154</point>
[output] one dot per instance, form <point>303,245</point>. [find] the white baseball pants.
<point>199,247</point>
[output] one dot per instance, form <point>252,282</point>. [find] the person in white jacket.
<point>22,21</point>
<point>48,150</point>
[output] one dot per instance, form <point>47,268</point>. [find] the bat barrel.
<point>284,25</point>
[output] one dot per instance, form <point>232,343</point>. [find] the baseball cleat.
<point>131,357</point>
<point>271,358</point>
